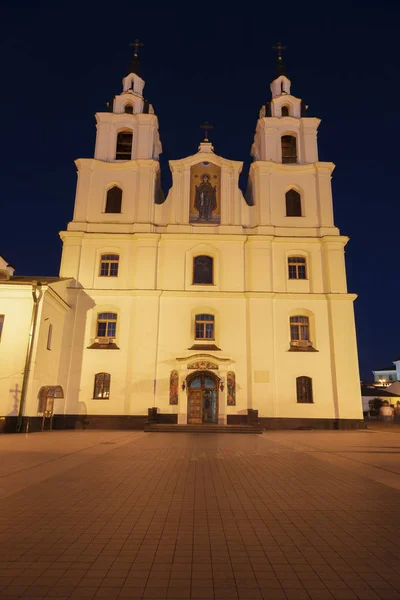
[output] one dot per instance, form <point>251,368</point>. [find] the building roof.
<point>376,392</point>
<point>29,279</point>
<point>392,368</point>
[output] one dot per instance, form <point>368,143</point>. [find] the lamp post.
<point>36,295</point>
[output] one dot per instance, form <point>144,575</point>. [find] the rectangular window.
<point>304,390</point>
<point>109,265</point>
<point>204,327</point>
<point>49,336</point>
<point>297,267</point>
<point>107,325</point>
<point>299,329</point>
<point>102,383</point>
<point>1,325</point>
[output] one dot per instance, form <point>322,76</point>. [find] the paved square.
<point>283,515</point>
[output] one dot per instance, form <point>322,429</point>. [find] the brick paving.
<point>285,515</point>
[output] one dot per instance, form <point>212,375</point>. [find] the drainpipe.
<point>36,295</point>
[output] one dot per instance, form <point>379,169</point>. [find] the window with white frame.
<point>297,267</point>
<point>109,264</point>
<point>106,325</point>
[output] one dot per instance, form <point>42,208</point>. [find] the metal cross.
<point>206,126</point>
<point>136,44</point>
<point>279,49</point>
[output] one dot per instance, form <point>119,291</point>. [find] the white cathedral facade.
<point>203,305</point>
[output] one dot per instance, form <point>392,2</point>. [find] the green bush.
<point>374,406</point>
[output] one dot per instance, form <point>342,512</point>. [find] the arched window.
<point>297,267</point>
<point>299,331</point>
<point>114,200</point>
<point>124,145</point>
<point>109,265</point>
<point>204,327</point>
<point>293,203</point>
<point>285,111</point>
<point>203,270</point>
<point>106,325</point>
<point>129,109</point>
<point>304,390</point>
<point>289,151</point>
<point>102,383</point>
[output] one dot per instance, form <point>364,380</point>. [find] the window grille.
<point>102,383</point>
<point>304,390</point>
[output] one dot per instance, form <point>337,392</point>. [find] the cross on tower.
<point>206,126</point>
<point>280,48</point>
<point>136,44</point>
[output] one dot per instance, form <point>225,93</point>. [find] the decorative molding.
<point>202,365</point>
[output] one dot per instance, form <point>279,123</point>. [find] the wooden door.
<point>195,406</point>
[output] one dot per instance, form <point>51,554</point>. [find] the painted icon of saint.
<point>206,198</point>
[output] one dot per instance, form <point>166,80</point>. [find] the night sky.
<point>61,62</point>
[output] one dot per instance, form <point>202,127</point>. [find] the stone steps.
<point>206,428</point>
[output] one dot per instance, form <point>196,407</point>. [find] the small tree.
<point>374,406</point>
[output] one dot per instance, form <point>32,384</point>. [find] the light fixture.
<point>183,386</point>
<point>221,386</point>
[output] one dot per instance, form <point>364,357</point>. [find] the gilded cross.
<point>136,44</point>
<point>280,48</point>
<point>206,126</point>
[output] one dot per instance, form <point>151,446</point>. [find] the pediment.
<point>204,156</point>
<point>204,358</point>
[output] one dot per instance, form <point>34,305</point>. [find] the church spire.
<point>280,67</point>
<point>134,65</point>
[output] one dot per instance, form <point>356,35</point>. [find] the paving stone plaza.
<point>283,515</point>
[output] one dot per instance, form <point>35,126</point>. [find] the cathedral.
<point>206,306</point>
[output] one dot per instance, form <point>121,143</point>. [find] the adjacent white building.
<point>204,305</point>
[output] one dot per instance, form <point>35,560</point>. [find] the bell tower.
<point>118,189</point>
<point>129,130</point>
<point>286,164</point>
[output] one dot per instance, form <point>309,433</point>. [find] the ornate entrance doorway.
<point>202,398</point>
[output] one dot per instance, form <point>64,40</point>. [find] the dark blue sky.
<point>62,61</point>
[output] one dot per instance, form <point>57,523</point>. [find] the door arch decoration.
<point>202,392</point>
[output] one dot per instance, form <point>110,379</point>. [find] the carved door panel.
<point>195,406</point>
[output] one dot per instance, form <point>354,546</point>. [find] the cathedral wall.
<point>137,183</point>
<point>48,346</point>
<point>16,304</point>
<point>345,370</point>
<point>156,331</point>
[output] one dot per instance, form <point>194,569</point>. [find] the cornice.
<point>268,166</point>
<point>109,117</point>
<point>94,164</point>
<point>183,163</point>
<point>302,297</point>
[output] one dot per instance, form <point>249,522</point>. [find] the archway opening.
<point>202,387</point>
